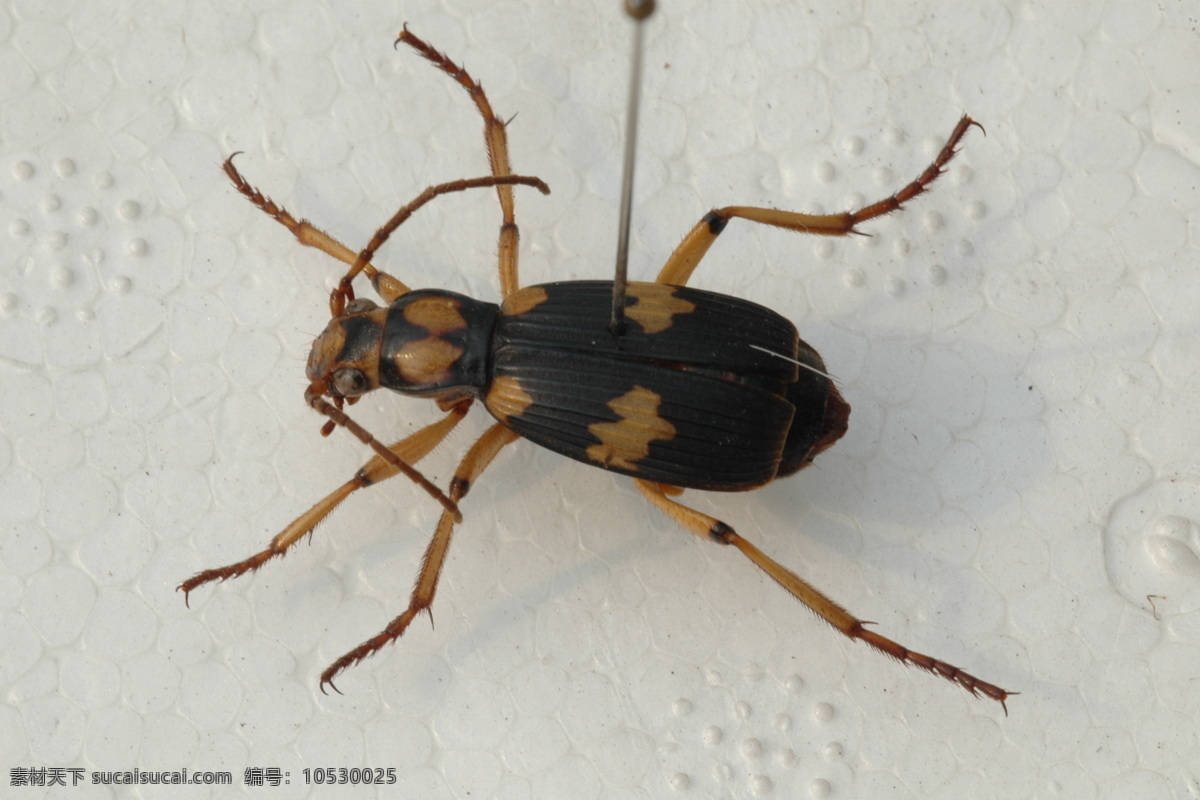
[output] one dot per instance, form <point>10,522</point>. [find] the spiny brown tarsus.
<point>269,206</point>
<point>942,669</point>
<point>224,573</point>
<point>921,184</point>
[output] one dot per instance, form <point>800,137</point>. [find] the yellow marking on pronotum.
<point>427,360</point>
<point>437,315</point>
<point>624,443</point>
<point>656,306</point>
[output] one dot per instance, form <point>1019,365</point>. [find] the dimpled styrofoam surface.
<point>1019,492</point>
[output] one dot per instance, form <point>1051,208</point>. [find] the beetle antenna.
<point>795,361</point>
<point>639,11</point>
<point>313,397</point>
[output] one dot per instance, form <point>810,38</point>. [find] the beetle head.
<point>344,360</point>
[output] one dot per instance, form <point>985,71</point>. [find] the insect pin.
<point>676,387</point>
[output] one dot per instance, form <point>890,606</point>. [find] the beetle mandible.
<point>690,394</point>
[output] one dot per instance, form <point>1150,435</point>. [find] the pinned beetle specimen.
<point>688,392</point>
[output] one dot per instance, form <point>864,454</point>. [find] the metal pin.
<point>795,361</point>
<point>639,11</point>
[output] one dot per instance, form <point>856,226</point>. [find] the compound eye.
<point>350,382</point>
<point>359,305</point>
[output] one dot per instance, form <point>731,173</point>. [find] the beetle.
<point>697,390</point>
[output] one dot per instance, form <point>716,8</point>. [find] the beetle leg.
<point>496,137</point>
<point>708,527</point>
<point>473,464</point>
<point>303,230</point>
<point>692,249</point>
<point>390,288</point>
<point>411,449</point>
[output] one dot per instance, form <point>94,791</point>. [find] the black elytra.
<point>701,390</point>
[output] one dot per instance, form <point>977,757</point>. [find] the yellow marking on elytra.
<point>507,398</point>
<point>656,306</point>
<point>624,443</point>
<point>437,315</point>
<point>525,300</point>
<point>427,360</point>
